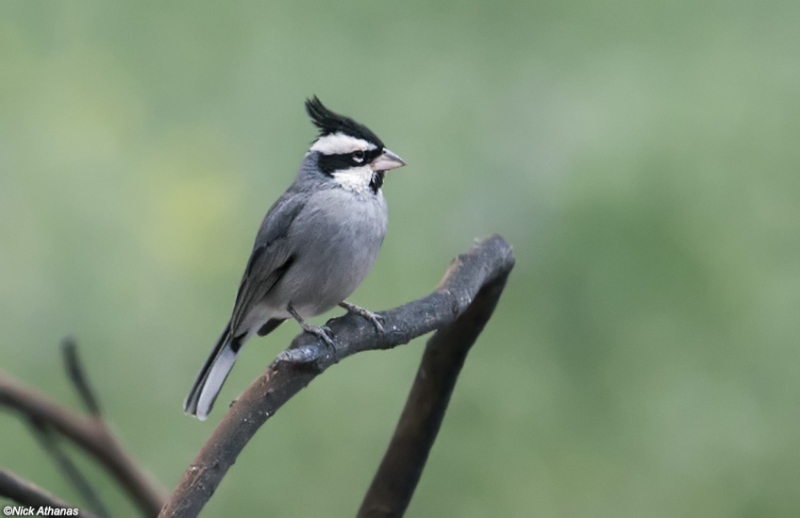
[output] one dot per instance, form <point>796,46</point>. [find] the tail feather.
<point>213,374</point>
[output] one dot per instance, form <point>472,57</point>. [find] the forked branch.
<point>458,308</point>
<point>89,433</point>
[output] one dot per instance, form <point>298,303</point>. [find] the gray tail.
<point>209,382</point>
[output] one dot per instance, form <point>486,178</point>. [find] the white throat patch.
<point>340,144</point>
<point>355,178</point>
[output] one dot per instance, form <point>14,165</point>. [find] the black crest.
<point>329,122</point>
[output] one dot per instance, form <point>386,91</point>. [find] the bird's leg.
<point>323,332</point>
<point>375,318</point>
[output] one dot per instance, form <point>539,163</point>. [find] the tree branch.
<point>486,264</point>
<point>91,434</point>
<point>50,444</point>
<point>401,468</point>
<point>21,491</point>
<point>75,373</point>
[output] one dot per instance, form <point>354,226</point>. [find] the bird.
<point>315,245</point>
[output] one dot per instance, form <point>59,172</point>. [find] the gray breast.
<point>336,239</point>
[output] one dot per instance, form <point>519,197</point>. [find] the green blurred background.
<point>642,157</point>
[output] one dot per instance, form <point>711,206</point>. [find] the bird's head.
<point>349,152</point>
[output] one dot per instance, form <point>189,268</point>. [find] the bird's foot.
<point>376,319</point>
<point>324,333</point>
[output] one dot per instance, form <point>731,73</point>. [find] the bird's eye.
<point>358,156</point>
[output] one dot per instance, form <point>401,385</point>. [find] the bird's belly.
<point>329,287</point>
<point>336,254</point>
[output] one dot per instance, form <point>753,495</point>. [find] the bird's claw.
<point>324,333</point>
<point>376,319</point>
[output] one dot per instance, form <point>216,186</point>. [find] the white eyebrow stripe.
<point>340,144</point>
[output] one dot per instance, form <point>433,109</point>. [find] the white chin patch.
<point>340,144</point>
<point>355,178</point>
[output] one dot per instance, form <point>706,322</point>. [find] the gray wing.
<point>272,256</point>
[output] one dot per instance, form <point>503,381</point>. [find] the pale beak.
<point>387,161</point>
